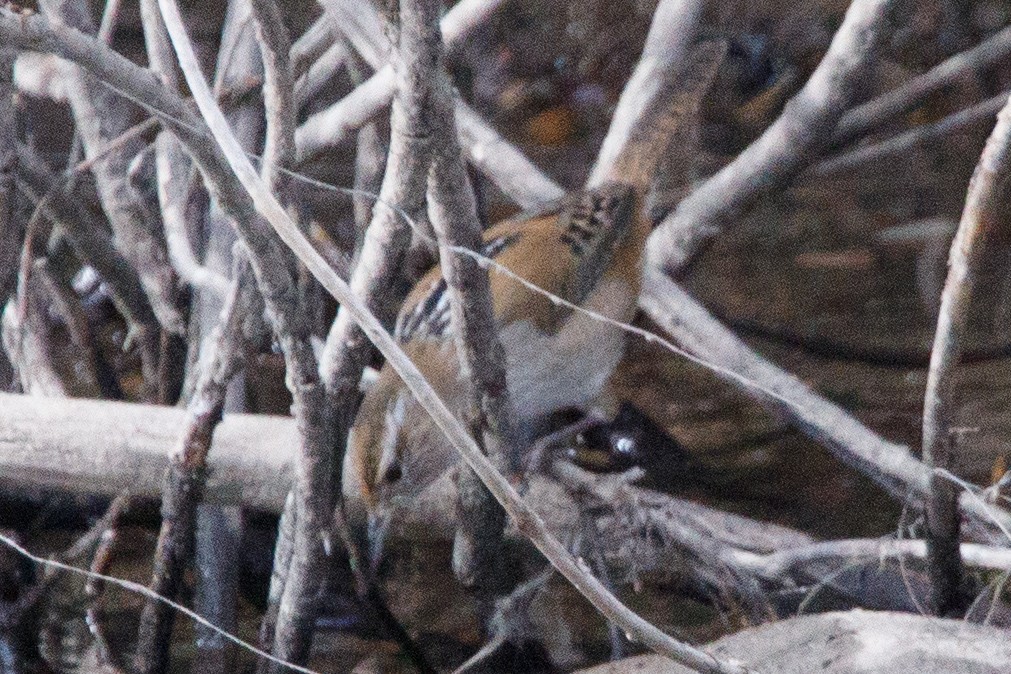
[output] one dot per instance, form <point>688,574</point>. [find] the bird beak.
<point>378,529</point>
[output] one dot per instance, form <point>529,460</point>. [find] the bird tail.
<point>666,127</point>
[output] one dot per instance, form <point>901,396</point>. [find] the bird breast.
<point>548,372</point>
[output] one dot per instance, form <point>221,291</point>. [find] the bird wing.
<point>564,251</point>
<point>426,310</point>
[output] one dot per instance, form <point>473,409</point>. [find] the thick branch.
<point>786,147</point>
<point>672,31</point>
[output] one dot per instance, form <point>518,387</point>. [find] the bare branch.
<point>320,73</point>
<point>26,339</point>
<point>186,476</point>
<point>173,166</point>
<point>502,162</point>
<point>453,211</point>
<point>904,142</point>
<point>9,234</point>
<point>786,147</point>
<point>527,520</point>
<point>100,117</point>
<point>310,44</point>
<point>514,173</point>
<point>91,246</point>
<point>889,464</point>
<point>278,85</point>
<point>982,218</point>
<point>673,28</point>
<point>872,115</point>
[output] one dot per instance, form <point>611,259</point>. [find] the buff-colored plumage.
<point>588,250</point>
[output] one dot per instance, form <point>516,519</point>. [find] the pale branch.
<point>278,92</point>
<point>283,549</point>
<point>453,212</point>
<point>293,623</point>
<point>794,563</point>
<point>314,485</point>
<point>310,45</point>
<point>870,116</point>
<point>376,279</point>
<point>174,169</point>
<point>372,148</point>
<point>27,338</point>
<point>793,141</point>
<point>675,23</point>
<point>889,464</point>
<point>9,226</point>
<point>238,64</point>
<point>101,447</point>
<point>320,73</point>
<point>983,218</point>
<point>400,172</point>
<point>902,143</point>
<point>100,117</point>
<point>378,270</point>
<point>851,642</point>
<point>188,526</point>
<point>488,151</point>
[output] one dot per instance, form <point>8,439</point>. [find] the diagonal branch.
<point>786,148</point>
<point>870,116</point>
<point>100,117</point>
<point>890,465</point>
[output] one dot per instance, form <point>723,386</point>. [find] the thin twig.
<point>787,147</point>
<point>376,279</point>
<point>294,621</point>
<point>982,218</point>
<point>796,560</point>
<point>902,143</point>
<point>872,115</point>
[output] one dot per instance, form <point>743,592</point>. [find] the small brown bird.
<point>587,249</point>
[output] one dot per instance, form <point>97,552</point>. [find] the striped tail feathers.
<point>664,133</point>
